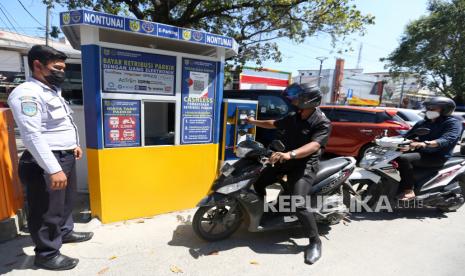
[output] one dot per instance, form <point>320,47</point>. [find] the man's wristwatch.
<point>293,155</point>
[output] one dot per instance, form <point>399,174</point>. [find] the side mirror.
<point>277,145</point>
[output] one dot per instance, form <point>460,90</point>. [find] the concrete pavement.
<point>410,242</point>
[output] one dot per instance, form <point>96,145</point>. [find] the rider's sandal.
<point>404,197</point>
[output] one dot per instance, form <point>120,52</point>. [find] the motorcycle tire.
<point>206,235</point>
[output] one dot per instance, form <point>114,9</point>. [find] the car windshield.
<point>409,115</point>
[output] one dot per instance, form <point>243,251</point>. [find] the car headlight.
<point>231,188</point>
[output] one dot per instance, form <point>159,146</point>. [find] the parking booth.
<point>152,100</point>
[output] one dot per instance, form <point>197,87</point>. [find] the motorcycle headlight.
<point>227,169</point>
<point>242,151</point>
<point>231,188</point>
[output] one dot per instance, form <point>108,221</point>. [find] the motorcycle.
<point>440,187</point>
<point>233,199</point>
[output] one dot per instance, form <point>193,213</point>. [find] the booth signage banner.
<point>138,73</point>
<point>198,97</point>
<point>145,27</point>
<point>121,123</point>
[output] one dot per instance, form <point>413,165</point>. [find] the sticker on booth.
<point>121,123</point>
<point>137,73</point>
<point>198,98</point>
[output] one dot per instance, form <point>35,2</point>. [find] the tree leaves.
<point>253,23</point>
<point>434,47</point>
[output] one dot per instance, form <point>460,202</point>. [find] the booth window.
<point>159,123</point>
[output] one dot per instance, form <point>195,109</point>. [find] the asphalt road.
<point>409,242</point>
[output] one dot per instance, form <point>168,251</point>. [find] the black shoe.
<point>313,252</point>
<point>77,237</point>
<point>59,262</point>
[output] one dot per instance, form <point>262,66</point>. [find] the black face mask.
<point>55,78</point>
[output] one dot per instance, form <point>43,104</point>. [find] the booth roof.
<point>142,33</point>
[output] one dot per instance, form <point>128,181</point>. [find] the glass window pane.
<point>159,123</point>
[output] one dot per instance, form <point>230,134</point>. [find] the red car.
<point>355,128</point>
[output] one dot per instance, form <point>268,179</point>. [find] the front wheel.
<point>363,151</point>
<point>214,223</point>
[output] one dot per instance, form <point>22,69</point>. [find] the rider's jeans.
<point>409,161</point>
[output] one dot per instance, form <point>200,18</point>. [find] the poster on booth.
<point>121,123</point>
<point>126,71</point>
<point>198,97</point>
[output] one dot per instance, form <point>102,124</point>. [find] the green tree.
<point>254,24</point>
<point>434,47</point>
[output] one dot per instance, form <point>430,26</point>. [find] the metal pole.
<point>321,59</point>
<point>402,90</point>
<point>47,23</point>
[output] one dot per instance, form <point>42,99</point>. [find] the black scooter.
<point>233,199</point>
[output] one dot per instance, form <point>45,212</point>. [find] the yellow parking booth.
<point>152,99</point>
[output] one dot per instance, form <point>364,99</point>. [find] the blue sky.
<point>380,39</point>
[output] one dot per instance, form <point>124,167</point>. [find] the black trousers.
<point>409,161</point>
<point>49,211</point>
<point>300,178</point>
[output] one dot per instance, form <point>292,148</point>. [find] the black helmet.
<point>308,96</point>
<point>447,105</point>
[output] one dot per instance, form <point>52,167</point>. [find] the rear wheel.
<point>214,223</point>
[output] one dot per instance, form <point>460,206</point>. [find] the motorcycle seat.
<point>424,173</point>
<point>453,161</point>
<point>329,167</point>
<point>449,163</point>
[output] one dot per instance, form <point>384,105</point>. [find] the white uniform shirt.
<point>44,121</point>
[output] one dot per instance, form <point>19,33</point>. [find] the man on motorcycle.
<point>433,149</point>
<point>303,133</point>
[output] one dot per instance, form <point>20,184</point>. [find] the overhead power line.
<point>30,13</point>
<point>12,17</point>
<point>8,19</point>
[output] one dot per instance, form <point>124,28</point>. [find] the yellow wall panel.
<point>130,183</point>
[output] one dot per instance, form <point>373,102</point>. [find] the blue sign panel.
<point>92,18</point>
<point>140,26</point>
<point>198,100</point>
<point>136,72</point>
<point>219,40</point>
<point>121,119</point>
<point>350,92</point>
<point>145,27</point>
<point>193,36</point>
<point>168,31</point>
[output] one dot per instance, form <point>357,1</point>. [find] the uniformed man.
<point>47,167</point>
<point>303,133</point>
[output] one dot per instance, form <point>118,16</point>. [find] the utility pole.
<point>321,59</point>
<point>47,23</point>
<point>402,89</point>
<point>359,59</point>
